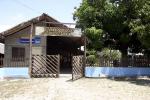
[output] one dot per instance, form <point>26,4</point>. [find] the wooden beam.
<point>30,47</point>
<point>84,58</point>
<point>58,65</point>
<point>58,31</point>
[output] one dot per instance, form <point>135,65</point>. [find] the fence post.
<point>58,65</point>
<point>84,61</point>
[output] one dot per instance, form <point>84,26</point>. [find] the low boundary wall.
<point>14,72</point>
<point>116,72</point>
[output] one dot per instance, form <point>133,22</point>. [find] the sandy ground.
<point>83,89</point>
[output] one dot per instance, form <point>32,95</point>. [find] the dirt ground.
<point>83,89</point>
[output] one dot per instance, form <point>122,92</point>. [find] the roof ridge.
<point>28,23</point>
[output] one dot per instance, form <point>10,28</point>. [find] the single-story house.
<point>45,46</point>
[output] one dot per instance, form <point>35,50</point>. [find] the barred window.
<point>18,53</point>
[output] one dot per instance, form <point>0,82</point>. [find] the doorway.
<point>65,63</point>
<point>66,47</point>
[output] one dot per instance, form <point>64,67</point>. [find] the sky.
<point>14,12</point>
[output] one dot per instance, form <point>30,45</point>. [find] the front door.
<point>77,67</point>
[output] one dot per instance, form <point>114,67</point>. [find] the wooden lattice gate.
<point>77,67</point>
<point>45,66</point>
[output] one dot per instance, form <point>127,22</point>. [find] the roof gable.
<point>43,18</point>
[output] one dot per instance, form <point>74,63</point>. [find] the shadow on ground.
<point>133,80</point>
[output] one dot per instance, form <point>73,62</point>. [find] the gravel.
<point>83,89</point>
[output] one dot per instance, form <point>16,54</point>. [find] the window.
<point>18,53</point>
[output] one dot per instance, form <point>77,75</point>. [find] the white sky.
<point>14,12</point>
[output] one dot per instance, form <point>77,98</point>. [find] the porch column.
<point>30,48</point>
<point>84,65</point>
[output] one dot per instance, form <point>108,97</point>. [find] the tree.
<point>95,36</point>
<point>107,53</point>
<point>123,23</point>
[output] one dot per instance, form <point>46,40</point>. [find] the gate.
<point>45,66</point>
<point>77,67</point>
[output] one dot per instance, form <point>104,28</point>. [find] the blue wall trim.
<point>14,72</point>
<point>116,72</point>
<point>89,72</point>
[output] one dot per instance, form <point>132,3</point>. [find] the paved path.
<point>84,89</point>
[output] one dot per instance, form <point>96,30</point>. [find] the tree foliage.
<point>110,54</point>
<point>95,36</point>
<point>121,23</point>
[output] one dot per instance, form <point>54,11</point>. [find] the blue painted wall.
<point>1,72</point>
<point>116,72</point>
<point>14,72</point>
<point>89,72</point>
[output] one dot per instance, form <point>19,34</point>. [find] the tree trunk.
<point>124,58</point>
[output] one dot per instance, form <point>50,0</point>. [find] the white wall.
<point>1,48</point>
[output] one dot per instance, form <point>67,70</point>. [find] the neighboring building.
<point>1,54</point>
<point>49,37</point>
<point>1,49</point>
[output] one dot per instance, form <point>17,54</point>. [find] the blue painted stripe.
<point>14,72</point>
<point>116,72</point>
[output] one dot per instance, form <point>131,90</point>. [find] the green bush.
<point>110,54</point>
<point>91,59</point>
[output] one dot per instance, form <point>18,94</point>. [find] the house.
<point>1,49</point>
<point>1,54</point>
<point>45,46</point>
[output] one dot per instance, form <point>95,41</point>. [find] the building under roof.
<point>44,37</point>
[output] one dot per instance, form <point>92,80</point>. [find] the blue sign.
<point>35,40</point>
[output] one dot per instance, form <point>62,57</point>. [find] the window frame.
<point>18,54</point>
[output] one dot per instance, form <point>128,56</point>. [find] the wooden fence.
<point>45,66</point>
<point>129,62</point>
